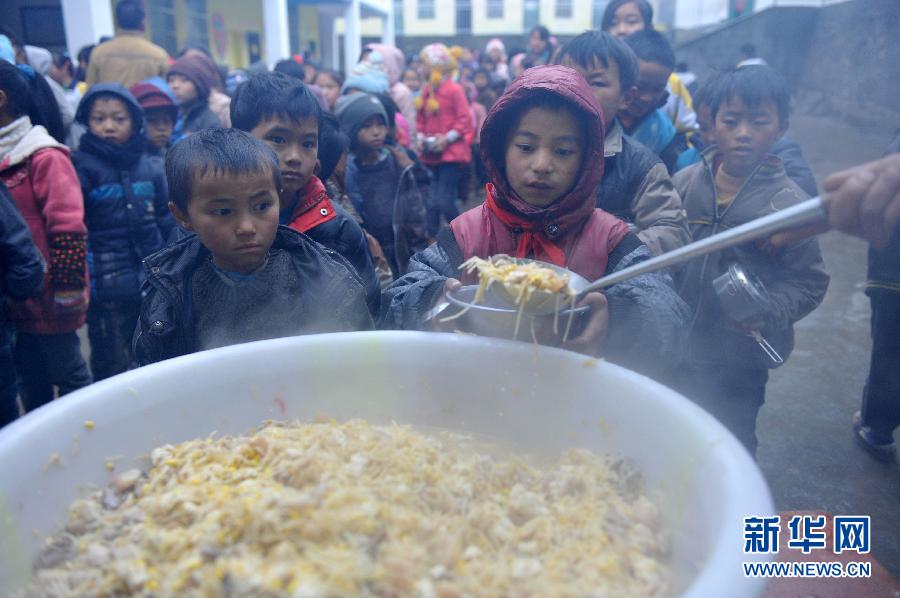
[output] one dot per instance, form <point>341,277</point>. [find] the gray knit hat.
<point>354,110</point>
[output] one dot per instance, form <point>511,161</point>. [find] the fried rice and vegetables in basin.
<point>353,509</point>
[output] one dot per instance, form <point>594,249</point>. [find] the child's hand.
<point>439,145</point>
<point>590,341</point>
<point>451,285</point>
<point>863,201</point>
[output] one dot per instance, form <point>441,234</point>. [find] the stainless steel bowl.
<point>493,317</point>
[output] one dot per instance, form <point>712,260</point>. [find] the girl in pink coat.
<point>43,185</point>
<point>445,132</point>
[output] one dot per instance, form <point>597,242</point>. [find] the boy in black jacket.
<point>383,182</point>
<point>241,278</point>
<point>282,112</point>
<point>21,275</point>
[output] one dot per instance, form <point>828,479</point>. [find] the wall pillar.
<point>85,21</point>
<point>388,35</point>
<point>275,31</point>
<point>352,36</point>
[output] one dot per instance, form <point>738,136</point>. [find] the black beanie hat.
<point>353,111</point>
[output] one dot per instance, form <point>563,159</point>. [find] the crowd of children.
<point>305,201</point>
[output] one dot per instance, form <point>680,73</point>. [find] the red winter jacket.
<point>586,234</point>
<point>453,114</point>
<point>45,188</point>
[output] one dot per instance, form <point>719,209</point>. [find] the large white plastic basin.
<point>544,399</point>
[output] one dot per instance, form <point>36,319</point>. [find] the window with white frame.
<point>563,9</point>
<point>531,14</point>
<point>425,9</point>
<point>495,9</point>
<point>197,30</point>
<point>161,15</point>
<point>463,16</point>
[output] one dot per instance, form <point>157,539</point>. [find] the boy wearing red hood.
<point>536,143</point>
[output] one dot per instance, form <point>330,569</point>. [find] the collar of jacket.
<point>26,139</point>
<point>770,167</point>
<point>169,266</point>
<point>612,145</point>
<point>312,208</point>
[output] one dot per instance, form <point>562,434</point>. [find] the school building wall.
<point>838,59</point>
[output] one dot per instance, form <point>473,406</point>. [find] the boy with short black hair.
<point>282,112</point>
<point>738,181</point>
<point>241,278</point>
<point>383,182</point>
<point>542,145</point>
<point>644,118</point>
<point>636,186</point>
<point>787,149</point>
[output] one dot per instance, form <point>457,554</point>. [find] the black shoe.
<point>882,447</point>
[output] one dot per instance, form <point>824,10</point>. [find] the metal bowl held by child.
<point>534,399</point>
<point>493,316</point>
<point>742,295</point>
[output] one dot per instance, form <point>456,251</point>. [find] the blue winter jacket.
<point>125,206</point>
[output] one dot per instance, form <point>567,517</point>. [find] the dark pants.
<point>444,194</point>
<point>733,396</point>
<point>881,396</point>
<point>9,407</point>
<point>110,330</point>
<point>47,360</point>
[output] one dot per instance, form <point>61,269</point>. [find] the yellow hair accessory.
<point>435,77</point>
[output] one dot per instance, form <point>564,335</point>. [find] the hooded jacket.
<point>647,320</point>
<point>794,276</point>
<point>452,115</point>
<point>125,201</point>
<point>43,184</point>
<point>332,292</point>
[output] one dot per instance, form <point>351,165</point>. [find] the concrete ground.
<point>806,445</point>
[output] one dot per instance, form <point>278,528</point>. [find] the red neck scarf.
<point>532,241</point>
<point>313,207</point>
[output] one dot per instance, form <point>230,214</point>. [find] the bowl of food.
<point>492,316</point>
<point>385,463</point>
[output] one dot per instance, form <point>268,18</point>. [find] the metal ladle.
<point>811,211</point>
